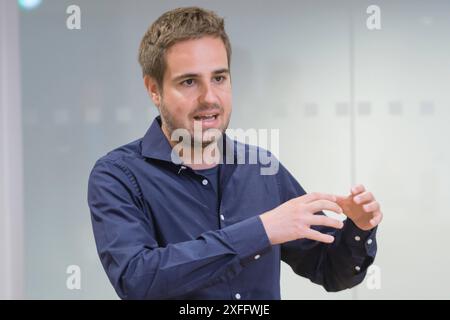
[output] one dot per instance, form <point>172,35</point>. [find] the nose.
<point>208,95</point>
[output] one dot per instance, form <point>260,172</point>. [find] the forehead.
<point>196,55</point>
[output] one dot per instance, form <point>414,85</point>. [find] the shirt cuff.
<point>249,239</point>
<point>361,244</point>
<point>356,237</point>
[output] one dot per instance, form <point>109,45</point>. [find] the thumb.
<point>342,199</point>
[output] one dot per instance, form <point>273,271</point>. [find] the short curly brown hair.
<point>175,26</point>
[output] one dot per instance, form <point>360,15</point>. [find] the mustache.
<point>215,107</point>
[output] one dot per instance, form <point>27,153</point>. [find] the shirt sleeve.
<point>137,266</point>
<point>337,266</point>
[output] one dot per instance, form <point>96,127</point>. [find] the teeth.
<point>206,117</point>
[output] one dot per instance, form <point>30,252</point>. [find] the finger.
<point>377,213</point>
<point>364,197</point>
<point>324,221</point>
<point>320,205</point>
<point>357,189</point>
<point>316,196</point>
<point>341,200</point>
<point>371,207</point>
<point>318,236</point>
<point>377,219</point>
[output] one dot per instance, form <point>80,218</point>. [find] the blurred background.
<point>353,105</point>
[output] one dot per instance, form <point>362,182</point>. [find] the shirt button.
<point>205,182</point>
<point>369,241</point>
<point>237,296</point>
<point>257,257</point>
<point>357,238</point>
<point>357,268</point>
<point>222,217</point>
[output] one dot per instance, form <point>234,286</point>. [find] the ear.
<point>153,90</point>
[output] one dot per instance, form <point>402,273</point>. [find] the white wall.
<point>352,105</point>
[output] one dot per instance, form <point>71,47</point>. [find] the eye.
<point>219,79</point>
<point>188,82</point>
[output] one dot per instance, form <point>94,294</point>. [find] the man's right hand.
<point>293,219</point>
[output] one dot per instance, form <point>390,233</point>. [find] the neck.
<point>197,158</point>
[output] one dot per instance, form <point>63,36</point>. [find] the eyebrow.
<point>196,75</point>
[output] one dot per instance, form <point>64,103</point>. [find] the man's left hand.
<point>361,207</point>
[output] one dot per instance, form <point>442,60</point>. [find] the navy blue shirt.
<point>163,232</point>
<point>212,176</point>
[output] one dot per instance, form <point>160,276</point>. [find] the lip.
<point>208,123</point>
<point>206,114</point>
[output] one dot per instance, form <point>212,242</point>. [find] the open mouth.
<point>211,117</point>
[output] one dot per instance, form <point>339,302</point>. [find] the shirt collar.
<point>155,144</point>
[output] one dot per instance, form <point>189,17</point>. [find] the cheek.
<point>227,102</point>
<point>179,105</point>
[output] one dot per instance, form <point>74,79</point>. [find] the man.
<point>169,227</point>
